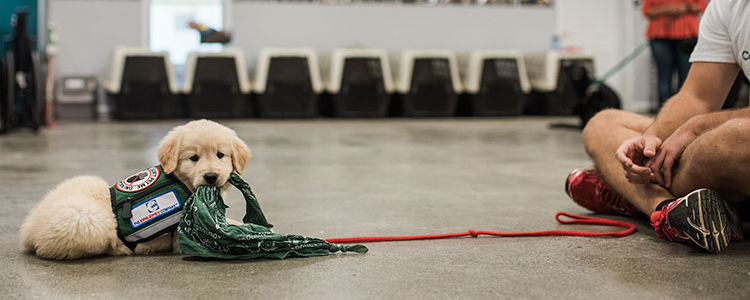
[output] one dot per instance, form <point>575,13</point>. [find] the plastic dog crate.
<point>496,82</point>
<point>360,82</point>
<point>288,83</point>
<point>141,85</point>
<point>556,81</point>
<point>216,85</point>
<point>429,83</point>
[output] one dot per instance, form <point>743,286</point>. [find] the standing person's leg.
<point>682,61</point>
<point>662,52</point>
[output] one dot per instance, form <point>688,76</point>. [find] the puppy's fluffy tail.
<point>75,220</point>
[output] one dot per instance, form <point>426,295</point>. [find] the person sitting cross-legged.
<point>687,168</point>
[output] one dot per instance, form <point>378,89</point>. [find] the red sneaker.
<point>587,188</point>
<point>702,219</point>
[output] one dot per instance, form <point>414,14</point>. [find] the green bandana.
<point>203,230</point>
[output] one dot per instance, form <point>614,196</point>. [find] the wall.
<point>393,27</point>
<point>89,30</point>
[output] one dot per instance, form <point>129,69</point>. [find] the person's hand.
<point>676,9</point>
<point>633,154</point>
<point>669,153</point>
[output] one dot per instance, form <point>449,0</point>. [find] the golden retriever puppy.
<point>76,219</point>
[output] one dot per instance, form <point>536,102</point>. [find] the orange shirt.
<point>669,27</point>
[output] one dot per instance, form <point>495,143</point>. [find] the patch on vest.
<point>152,208</point>
<point>139,181</point>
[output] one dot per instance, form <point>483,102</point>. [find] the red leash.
<point>629,228</point>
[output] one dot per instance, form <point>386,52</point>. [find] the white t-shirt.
<point>724,34</point>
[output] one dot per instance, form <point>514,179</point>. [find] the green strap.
<point>596,83</point>
<point>203,231</point>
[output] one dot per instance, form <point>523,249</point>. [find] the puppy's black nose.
<point>210,177</point>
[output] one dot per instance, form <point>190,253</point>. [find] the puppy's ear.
<point>169,150</point>
<point>240,155</point>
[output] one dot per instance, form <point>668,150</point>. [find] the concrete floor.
<point>329,178</point>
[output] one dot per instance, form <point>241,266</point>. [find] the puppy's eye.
<point>219,154</point>
<point>194,158</point>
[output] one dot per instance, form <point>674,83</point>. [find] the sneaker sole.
<point>704,218</point>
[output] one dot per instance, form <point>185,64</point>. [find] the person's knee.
<point>736,124</point>
<point>724,147</point>
<point>730,139</point>
<point>601,123</point>
<point>717,159</point>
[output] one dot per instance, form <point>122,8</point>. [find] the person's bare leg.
<point>604,133</point>
<point>718,159</point>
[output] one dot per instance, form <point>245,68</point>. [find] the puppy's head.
<point>202,153</point>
